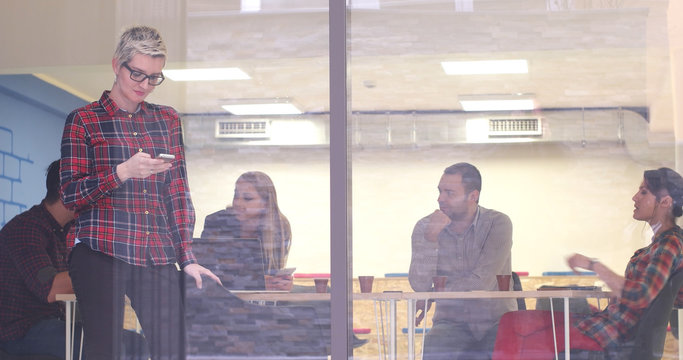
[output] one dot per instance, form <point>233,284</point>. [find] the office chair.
<point>517,286</point>
<point>673,322</point>
<point>648,342</point>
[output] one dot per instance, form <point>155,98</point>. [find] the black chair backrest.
<point>651,331</point>
<point>673,323</point>
<point>517,286</point>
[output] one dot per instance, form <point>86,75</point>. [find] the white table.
<point>392,298</point>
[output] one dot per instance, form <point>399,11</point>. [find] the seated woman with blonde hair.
<point>255,214</point>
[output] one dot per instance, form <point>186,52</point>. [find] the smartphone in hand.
<point>285,271</point>
<point>166,157</point>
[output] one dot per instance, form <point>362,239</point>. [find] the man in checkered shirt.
<point>34,270</point>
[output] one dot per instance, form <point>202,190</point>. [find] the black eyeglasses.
<point>138,76</point>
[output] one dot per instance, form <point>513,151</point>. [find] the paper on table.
<point>570,287</point>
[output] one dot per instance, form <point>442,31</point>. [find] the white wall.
<point>562,198</point>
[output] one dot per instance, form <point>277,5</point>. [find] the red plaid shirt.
<point>33,252</point>
<point>140,221</point>
<point>646,273</point>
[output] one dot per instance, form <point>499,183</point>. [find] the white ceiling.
<point>589,53</point>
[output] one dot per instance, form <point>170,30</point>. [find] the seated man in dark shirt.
<point>34,269</point>
<point>33,264</point>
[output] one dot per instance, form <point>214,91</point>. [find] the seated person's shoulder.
<point>220,223</point>
<point>421,226</point>
<point>493,214</point>
<point>423,222</point>
<point>20,226</point>
<point>497,218</point>
<point>218,215</point>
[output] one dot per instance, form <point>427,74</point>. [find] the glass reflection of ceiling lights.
<point>464,5</point>
<point>206,74</point>
<point>363,4</point>
<point>250,5</point>
<point>276,106</point>
<point>497,102</point>
<point>485,67</point>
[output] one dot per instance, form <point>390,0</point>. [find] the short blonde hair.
<point>144,40</point>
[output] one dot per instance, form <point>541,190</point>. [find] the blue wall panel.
<point>32,115</point>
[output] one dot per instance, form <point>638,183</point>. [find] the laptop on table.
<point>238,262</point>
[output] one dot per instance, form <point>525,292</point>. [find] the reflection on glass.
<point>600,73</point>
<point>563,168</point>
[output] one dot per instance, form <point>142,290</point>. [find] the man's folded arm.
<point>61,284</point>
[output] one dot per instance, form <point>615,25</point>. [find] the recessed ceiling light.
<point>364,4</point>
<point>262,109</point>
<point>231,73</point>
<point>497,102</point>
<point>497,105</point>
<point>485,67</point>
<point>250,5</point>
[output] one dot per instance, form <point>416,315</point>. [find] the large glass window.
<point>561,105</point>
<point>258,111</point>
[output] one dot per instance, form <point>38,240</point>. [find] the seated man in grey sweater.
<point>470,245</point>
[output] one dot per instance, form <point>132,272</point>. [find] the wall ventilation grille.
<point>252,129</point>
<point>515,127</point>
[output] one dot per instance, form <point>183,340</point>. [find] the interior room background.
<point>567,190</point>
<point>563,195</point>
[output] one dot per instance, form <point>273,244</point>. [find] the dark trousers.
<point>448,340</point>
<point>44,338</point>
<point>100,283</point>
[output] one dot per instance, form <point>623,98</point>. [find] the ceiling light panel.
<point>207,74</point>
<point>485,67</point>
<point>250,5</point>
<point>497,105</point>
<point>364,4</point>
<point>263,109</point>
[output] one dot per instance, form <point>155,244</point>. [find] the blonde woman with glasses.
<point>123,173</point>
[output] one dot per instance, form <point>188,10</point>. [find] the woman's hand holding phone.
<point>279,282</point>
<point>280,279</point>
<point>166,157</point>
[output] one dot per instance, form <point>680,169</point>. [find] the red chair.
<point>528,335</point>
